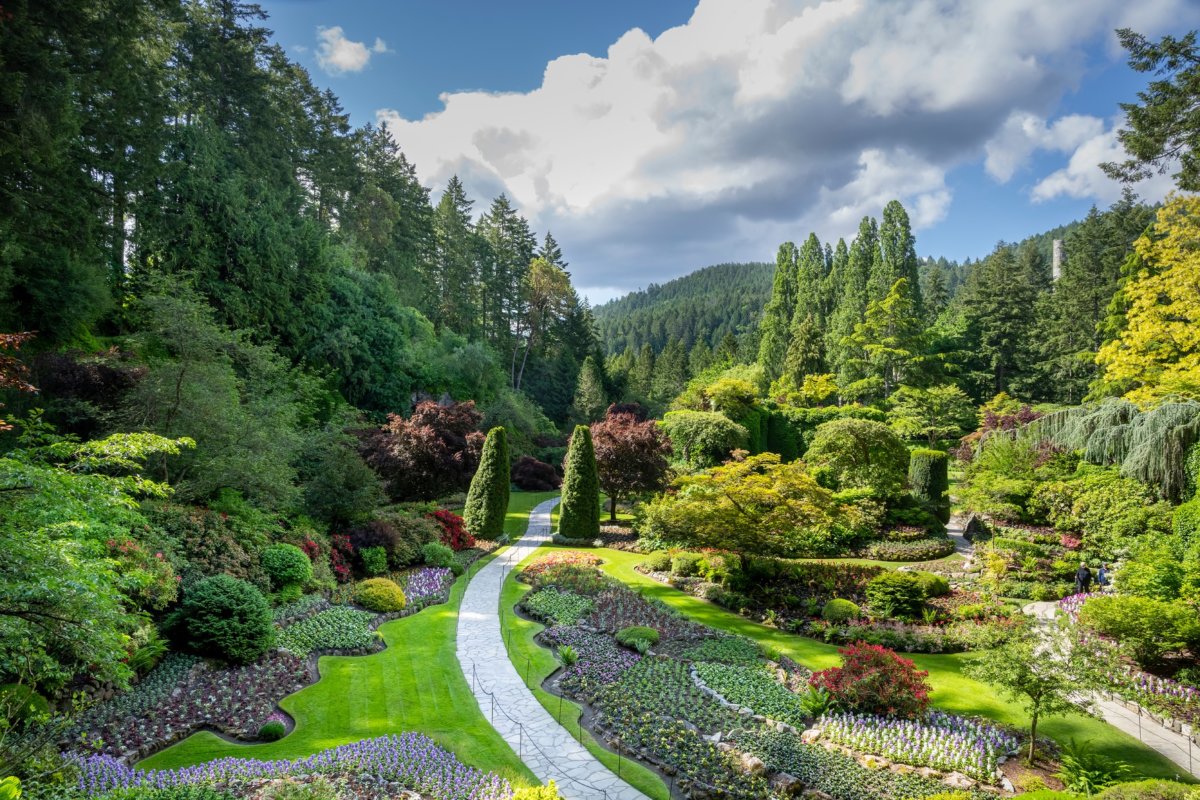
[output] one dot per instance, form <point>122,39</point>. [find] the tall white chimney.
<point>1056,259</point>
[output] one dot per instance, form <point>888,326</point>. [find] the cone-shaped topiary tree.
<point>580,515</point>
<point>928,479</point>
<point>487,499</point>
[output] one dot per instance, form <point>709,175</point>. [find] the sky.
<point>656,138</point>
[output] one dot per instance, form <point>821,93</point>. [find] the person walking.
<point>1083,579</point>
<point>1102,577</point>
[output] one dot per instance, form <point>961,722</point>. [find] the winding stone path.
<point>546,747</point>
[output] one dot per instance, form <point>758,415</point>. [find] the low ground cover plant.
<point>306,606</point>
<point>599,660</point>
<point>339,628</point>
<point>755,688</point>
<point>562,608</point>
<point>923,549</point>
<point>724,650</point>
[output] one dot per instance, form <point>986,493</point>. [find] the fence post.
<point>520,740</point>
<point>493,709</point>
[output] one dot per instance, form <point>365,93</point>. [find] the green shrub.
<point>861,455</point>
<point>918,550</point>
<point>380,594</point>
<point>579,517</point>
<point>686,565</point>
<point>374,560</point>
<point>1148,790</point>
<point>272,731</point>
<point>286,564</point>
<point>896,594</point>
<point>717,568</point>
<point>20,702</point>
<point>634,633</point>
<point>1185,521</point>
<point>437,554</point>
<point>1146,629</point>
<point>658,562</point>
<point>226,618</point>
<point>929,480</point>
<point>1018,546</point>
<point>703,439</point>
<point>839,610</point>
<point>487,499</point>
<point>933,585</point>
<point>547,792</point>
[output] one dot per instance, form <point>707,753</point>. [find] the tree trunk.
<point>1033,720</point>
<point>612,508</point>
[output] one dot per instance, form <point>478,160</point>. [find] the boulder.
<point>715,738</point>
<point>959,781</point>
<point>752,765</point>
<point>929,772</point>
<point>785,785</point>
<point>874,762</point>
<point>811,735</point>
<point>816,794</point>
<point>902,769</point>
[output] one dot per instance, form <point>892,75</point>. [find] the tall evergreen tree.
<point>510,248</point>
<point>998,307</point>
<point>487,498</point>
<point>456,252</point>
<point>777,316</point>
<point>590,396</point>
<point>897,256</point>
<point>551,252</point>
<point>579,517</point>
<point>844,359</point>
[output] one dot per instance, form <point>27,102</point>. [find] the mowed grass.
<point>414,685</point>
<point>952,690</point>
<point>536,663</point>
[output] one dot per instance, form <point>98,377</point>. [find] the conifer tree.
<point>551,252</point>
<point>579,517</point>
<point>810,271</point>
<point>456,251</point>
<point>590,400</point>
<point>806,350</point>
<point>897,256</point>
<point>843,358</point>
<point>777,316</point>
<point>641,377</point>
<point>670,372</point>
<point>487,499</point>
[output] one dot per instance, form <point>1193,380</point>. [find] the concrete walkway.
<point>545,746</point>
<point>1178,748</point>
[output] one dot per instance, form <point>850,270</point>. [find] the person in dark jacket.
<point>1083,579</point>
<point>1102,577</point>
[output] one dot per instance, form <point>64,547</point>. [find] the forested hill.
<point>703,306</point>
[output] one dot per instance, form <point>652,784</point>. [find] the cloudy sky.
<point>654,138</point>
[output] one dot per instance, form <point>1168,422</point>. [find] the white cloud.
<point>761,119</point>
<point>1083,178</point>
<point>338,55</point>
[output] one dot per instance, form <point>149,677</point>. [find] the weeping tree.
<point>1151,446</point>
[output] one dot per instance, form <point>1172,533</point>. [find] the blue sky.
<point>751,122</point>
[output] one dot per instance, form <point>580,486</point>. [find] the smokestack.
<point>1056,260</point>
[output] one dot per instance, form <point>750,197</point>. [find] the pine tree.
<point>641,377</point>
<point>670,372</point>
<point>579,517</point>
<point>935,291</point>
<point>897,256</point>
<point>778,314</point>
<point>806,350</point>
<point>510,248</point>
<point>998,307</point>
<point>551,252</point>
<point>810,272</point>
<point>456,251</point>
<point>843,357</point>
<point>891,337</point>
<point>590,398</point>
<point>487,499</point>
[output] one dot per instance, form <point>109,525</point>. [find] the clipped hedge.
<point>896,594</point>
<point>634,633</point>
<point>839,610</point>
<point>929,481</point>
<point>286,564</point>
<point>580,514</point>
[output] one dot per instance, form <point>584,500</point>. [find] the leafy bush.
<point>932,584</point>
<point>840,610</point>
<point>207,543</point>
<point>703,439</point>
<point>860,454</point>
<point>1185,520</point>
<point>896,594</point>
<point>1084,770</point>
<point>20,702</point>
<point>686,565</point>
<point>560,608</point>
<point>286,564</point>
<point>272,731</point>
<point>1110,509</point>
<point>1144,628</point>
<point>225,618</point>
<point>926,549</point>
<point>380,594</point>
<point>1148,790</point>
<point>875,680</point>
<point>547,792</point>
<point>487,499</point>
<point>531,475</point>
<point>627,636</point>
<point>929,482</point>
<point>432,454</point>
<point>437,554</point>
<point>454,535</point>
<point>374,560</point>
<point>339,628</point>
<point>658,562</point>
<point>1018,546</point>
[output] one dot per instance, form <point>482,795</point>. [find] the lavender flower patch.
<point>427,583</point>
<point>601,660</point>
<point>941,741</point>
<point>184,694</point>
<point>1160,695</point>
<point>1071,605</point>
<point>411,759</point>
<point>621,607</point>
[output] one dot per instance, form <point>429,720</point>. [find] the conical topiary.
<point>929,480</point>
<point>580,515</point>
<point>487,499</point>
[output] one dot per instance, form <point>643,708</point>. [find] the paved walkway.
<point>1165,741</point>
<point>545,746</point>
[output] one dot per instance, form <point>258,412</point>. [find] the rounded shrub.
<point>487,499</point>
<point>272,731</point>
<point>635,633</point>
<point>860,454</point>
<point>686,565</point>
<point>374,560</point>
<point>580,514</point>
<point>933,585</point>
<point>1186,521</point>
<point>226,618</point>
<point>437,554</point>
<point>840,610</point>
<point>286,564</point>
<point>658,562</point>
<point>929,480</point>
<point>381,595</point>
<point>895,594</point>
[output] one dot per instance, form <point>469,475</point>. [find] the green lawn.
<point>952,691</point>
<point>535,663</point>
<point>413,685</point>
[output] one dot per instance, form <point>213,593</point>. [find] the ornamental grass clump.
<point>942,741</point>
<point>413,760</point>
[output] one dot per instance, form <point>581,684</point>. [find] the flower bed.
<point>835,774</point>
<point>304,607</point>
<point>754,688</point>
<point>343,629</point>
<point>725,650</point>
<point>662,687</point>
<point>427,585</point>
<point>538,566</point>
<point>183,694</point>
<point>561,608</point>
<point>916,550</point>
<point>412,760</point>
<point>1159,695</point>
<point>601,660</point>
<point>941,741</point>
<point>621,607</point>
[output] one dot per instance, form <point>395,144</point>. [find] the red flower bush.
<point>454,535</point>
<point>875,680</point>
<point>341,557</point>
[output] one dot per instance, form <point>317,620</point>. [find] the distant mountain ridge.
<point>704,305</point>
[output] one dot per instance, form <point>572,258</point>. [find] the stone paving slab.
<point>545,746</point>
